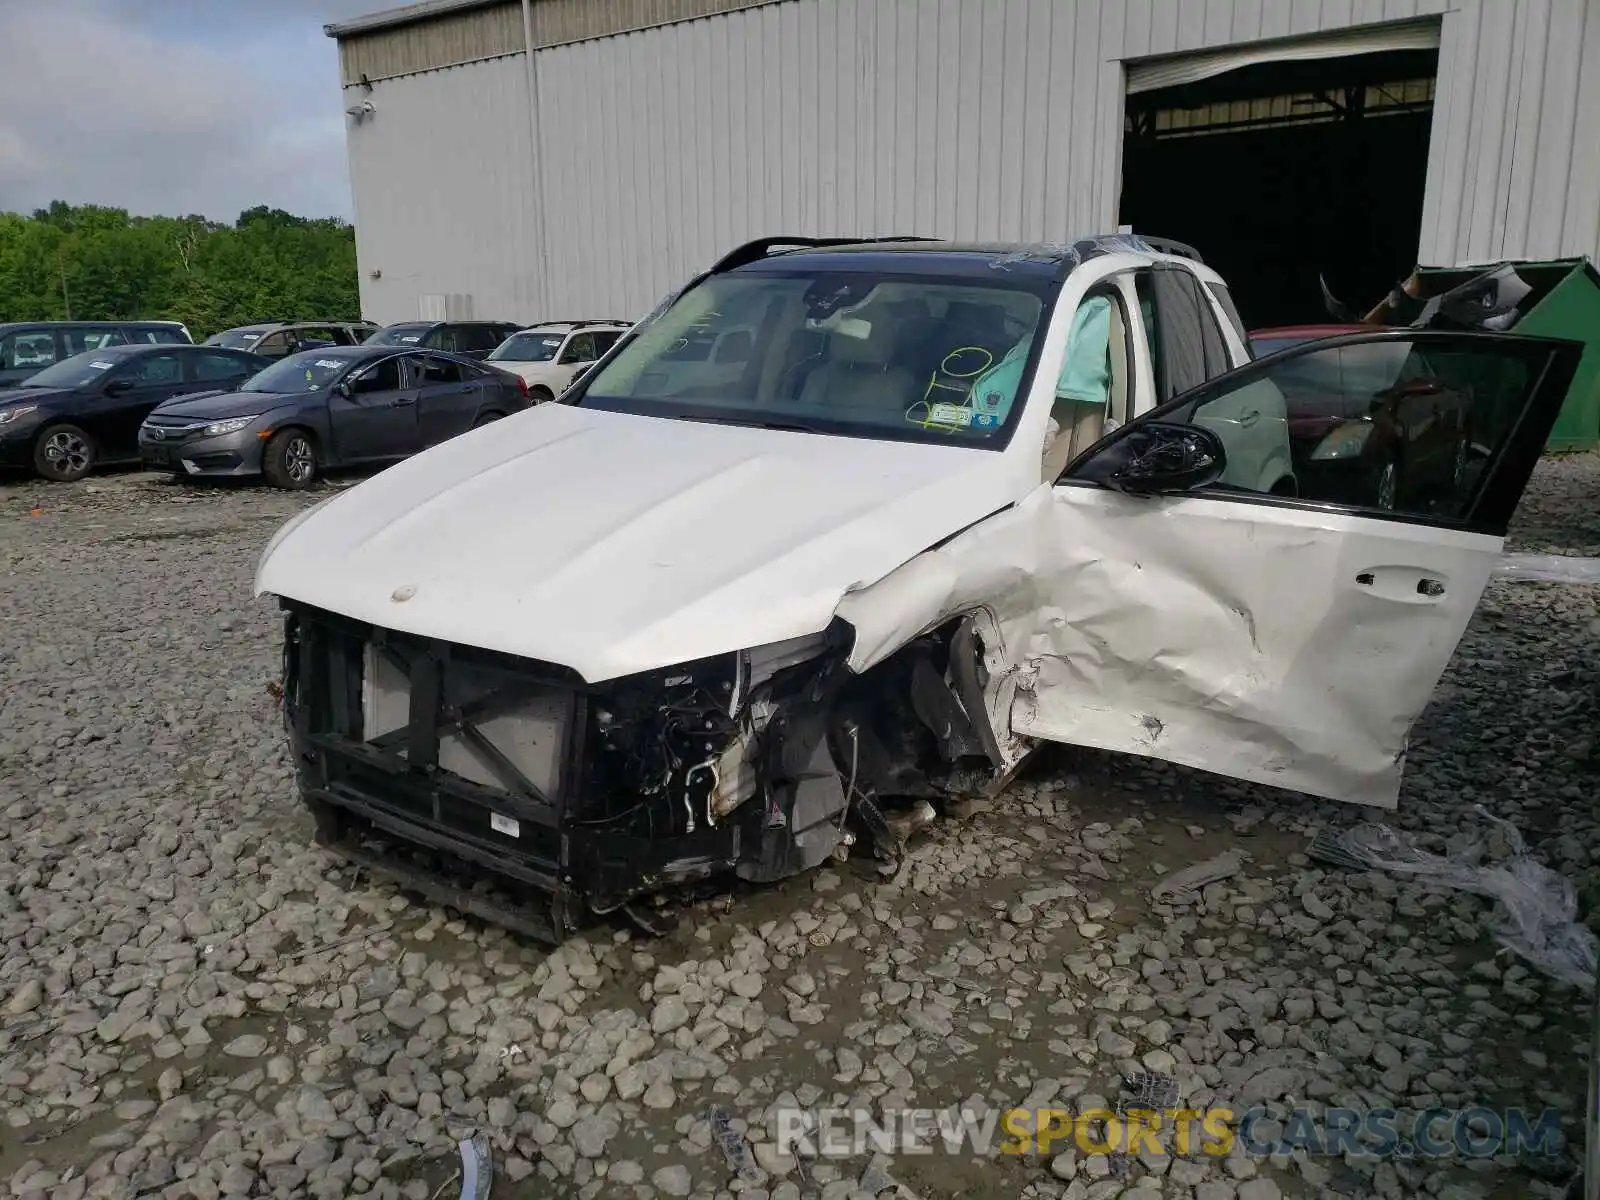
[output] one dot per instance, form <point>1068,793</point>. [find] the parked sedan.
<point>85,411</point>
<point>334,407</point>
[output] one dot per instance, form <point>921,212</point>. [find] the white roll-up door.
<point>1149,74</point>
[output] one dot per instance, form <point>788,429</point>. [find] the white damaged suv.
<point>846,529</point>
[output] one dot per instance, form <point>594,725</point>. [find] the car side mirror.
<point>1160,457</point>
<point>343,388</point>
<point>117,386</point>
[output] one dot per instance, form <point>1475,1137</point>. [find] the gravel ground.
<point>194,1001</point>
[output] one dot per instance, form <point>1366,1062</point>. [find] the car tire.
<point>540,395</point>
<point>64,454</point>
<point>289,460</point>
<point>486,418</point>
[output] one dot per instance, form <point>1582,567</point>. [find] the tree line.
<point>89,263</point>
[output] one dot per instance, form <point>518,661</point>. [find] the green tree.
<point>90,262</point>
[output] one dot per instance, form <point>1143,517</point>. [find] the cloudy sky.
<point>173,106</point>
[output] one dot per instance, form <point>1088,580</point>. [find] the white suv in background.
<point>549,355</point>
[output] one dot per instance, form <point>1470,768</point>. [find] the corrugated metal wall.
<point>443,198</point>
<point>486,31</point>
<point>458,37</point>
<point>964,118</point>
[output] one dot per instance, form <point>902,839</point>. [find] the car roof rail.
<point>762,248</point>
<point>1169,246</point>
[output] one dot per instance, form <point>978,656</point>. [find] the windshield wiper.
<point>781,426</point>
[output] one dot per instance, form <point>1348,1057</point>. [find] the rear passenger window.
<point>441,370</point>
<point>603,341</point>
<point>212,365</point>
<point>477,337</point>
<point>82,340</point>
<point>1186,343</point>
<point>35,350</point>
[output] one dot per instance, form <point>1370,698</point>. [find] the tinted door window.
<point>604,340</point>
<point>214,365</point>
<point>579,349</point>
<point>381,377</point>
<point>1187,346</point>
<point>154,335</point>
<point>441,370</point>
<point>155,370</point>
<point>477,337</point>
<point>80,340</point>
<point>1401,425</point>
<point>31,350</point>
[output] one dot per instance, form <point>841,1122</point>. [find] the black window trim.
<point>1493,508</point>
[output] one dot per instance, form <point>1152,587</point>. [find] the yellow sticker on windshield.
<point>949,415</point>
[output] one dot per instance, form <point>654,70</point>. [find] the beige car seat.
<point>861,375</point>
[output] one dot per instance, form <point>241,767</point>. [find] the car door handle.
<point>1250,418</point>
<point>402,401</point>
<point>1400,584</point>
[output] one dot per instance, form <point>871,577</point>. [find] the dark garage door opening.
<point>1282,171</point>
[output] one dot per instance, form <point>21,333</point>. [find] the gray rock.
<point>673,1181</point>
<point>26,998</point>
<point>591,1134</point>
<point>670,1013</point>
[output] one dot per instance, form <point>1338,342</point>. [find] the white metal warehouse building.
<point>564,159</point>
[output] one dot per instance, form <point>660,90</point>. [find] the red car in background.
<point>1376,422</point>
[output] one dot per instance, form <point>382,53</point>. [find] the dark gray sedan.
<point>336,406</point>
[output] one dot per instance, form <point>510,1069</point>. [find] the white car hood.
<point>614,544</point>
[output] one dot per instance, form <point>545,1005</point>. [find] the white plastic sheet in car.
<point>1523,567</point>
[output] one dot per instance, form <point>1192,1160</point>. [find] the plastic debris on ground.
<point>1521,567</point>
<point>1145,1093</point>
<point>876,1181</point>
<point>1184,887</point>
<point>477,1168</point>
<point>732,1144</point>
<point>1540,907</point>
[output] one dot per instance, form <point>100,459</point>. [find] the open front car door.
<point>1290,638</point>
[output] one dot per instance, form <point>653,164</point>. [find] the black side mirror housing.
<point>343,388</point>
<point>1161,458</point>
<point>117,386</point>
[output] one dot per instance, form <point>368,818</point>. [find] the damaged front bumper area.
<point>513,790</point>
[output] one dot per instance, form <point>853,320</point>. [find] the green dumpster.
<point>1564,303</point>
